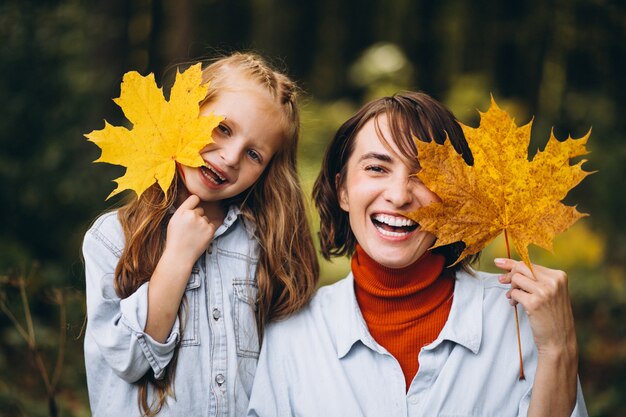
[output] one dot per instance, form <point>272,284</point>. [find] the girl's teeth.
<point>213,176</point>
<point>217,174</point>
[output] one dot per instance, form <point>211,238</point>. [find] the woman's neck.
<point>411,292</point>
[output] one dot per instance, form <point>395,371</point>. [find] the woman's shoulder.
<point>323,308</point>
<point>487,280</point>
<point>495,305</point>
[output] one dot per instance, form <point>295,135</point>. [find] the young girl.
<point>180,286</point>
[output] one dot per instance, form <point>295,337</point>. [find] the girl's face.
<point>377,189</point>
<point>244,143</point>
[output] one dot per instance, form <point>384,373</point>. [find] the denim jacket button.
<point>220,379</point>
<point>216,314</point>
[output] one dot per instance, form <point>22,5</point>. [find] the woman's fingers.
<point>543,293</point>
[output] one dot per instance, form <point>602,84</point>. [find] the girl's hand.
<point>546,300</point>
<point>189,232</point>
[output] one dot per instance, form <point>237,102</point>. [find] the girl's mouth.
<point>393,226</point>
<point>212,174</point>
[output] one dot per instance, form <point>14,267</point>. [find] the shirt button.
<point>220,379</point>
<point>414,399</point>
<point>216,314</point>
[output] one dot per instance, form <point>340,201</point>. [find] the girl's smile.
<point>213,177</point>
<point>243,145</point>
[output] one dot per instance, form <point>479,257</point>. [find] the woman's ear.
<point>342,194</point>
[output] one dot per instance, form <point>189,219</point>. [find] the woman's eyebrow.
<point>373,155</point>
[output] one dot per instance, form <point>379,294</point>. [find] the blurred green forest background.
<point>561,61</point>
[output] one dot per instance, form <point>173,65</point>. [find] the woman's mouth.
<point>393,226</point>
<point>213,174</point>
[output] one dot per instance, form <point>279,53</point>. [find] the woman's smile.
<point>393,226</point>
<point>377,188</point>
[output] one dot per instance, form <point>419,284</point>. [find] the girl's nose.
<point>231,154</point>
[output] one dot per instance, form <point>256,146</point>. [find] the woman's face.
<point>377,189</point>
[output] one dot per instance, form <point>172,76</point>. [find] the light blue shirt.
<point>219,346</point>
<point>324,362</point>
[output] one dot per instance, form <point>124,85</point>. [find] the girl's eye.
<point>255,156</point>
<point>223,129</point>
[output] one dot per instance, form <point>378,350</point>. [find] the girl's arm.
<point>189,233</point>
<point>545,298</point>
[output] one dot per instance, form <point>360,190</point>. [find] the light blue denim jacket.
<point>323,361</point>
<point>219,345</point>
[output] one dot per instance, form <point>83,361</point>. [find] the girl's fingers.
<point>190,203</point>
<point>199,211</point>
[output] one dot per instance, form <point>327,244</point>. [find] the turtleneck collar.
<point>395,296</point>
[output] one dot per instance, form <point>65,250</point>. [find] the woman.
<point>403,334</point>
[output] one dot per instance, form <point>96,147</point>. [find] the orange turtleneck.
<point>406,308</point>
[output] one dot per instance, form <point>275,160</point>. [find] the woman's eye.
<point>254,155</point>
<point>375,168</point>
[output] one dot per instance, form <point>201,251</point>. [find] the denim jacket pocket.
<point>246,333</point>
<point>191,311</point>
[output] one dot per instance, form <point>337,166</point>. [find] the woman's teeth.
<point>212,175</point>
<point>393,226</point>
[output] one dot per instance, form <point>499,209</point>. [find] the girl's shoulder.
<point>106,230</point>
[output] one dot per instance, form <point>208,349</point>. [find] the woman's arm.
<point>544,295</point>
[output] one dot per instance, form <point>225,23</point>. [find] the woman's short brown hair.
<point>410,114</point>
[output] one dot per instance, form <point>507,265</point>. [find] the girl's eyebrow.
<point>373,155</point>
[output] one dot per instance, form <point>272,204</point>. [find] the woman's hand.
<point>189,232</point>
<point>544,295</point>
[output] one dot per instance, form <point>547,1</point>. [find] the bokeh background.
<point>562,62</point>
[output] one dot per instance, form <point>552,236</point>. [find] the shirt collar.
<point>350,327</point>
<point>231,217</point>
<point>464,324</point>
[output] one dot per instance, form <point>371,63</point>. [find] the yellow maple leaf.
<point>163,132</point>
<point>503,190</point>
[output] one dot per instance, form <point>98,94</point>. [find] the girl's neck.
<point>214,211</point>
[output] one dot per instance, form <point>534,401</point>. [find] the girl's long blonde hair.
<point>287,270</point>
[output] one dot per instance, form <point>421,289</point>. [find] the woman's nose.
<point>400,191</point>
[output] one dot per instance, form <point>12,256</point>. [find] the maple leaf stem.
<point>519,340</point>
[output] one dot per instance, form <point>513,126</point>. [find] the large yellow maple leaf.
<point>163,132</point>
<point>503,190</point>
